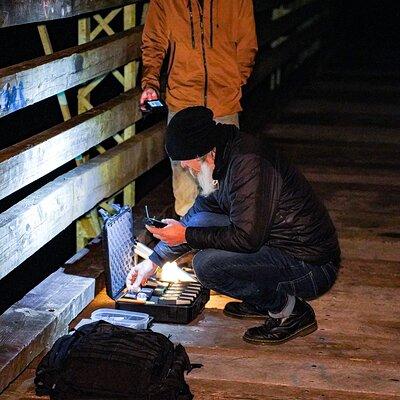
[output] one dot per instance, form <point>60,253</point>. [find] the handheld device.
<point>155,106</point>
<point>153,221</point>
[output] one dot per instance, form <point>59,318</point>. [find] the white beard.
<point>205,179</point>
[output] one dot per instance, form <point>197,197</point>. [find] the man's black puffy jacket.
<point>268,201</point>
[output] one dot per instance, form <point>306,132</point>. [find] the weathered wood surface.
<point>356,175</point>
<point>312,111</point>
<point>32,325</point>
<point>21,12</point>
<point>34,221</point>
<point>36,321</point>
<point>341,154</point>
<point>32,81</point>
<point>342,134</point>
<point>353,355</point>
<point>33,158</point>
<point>353,91</point>
<point>321,106</point>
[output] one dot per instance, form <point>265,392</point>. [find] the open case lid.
<point>118,241</point>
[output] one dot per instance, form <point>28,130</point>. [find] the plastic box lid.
<point>129,319</point>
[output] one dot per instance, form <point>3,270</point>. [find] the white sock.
<point>287,310</point>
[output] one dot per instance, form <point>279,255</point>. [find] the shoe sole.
<point>302,332</point>
<point>249,316</point>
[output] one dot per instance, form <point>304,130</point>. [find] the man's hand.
<point>148,94</point>
<point>173,234</point>
<point>139,275</point>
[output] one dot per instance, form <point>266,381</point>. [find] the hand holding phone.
<point>154,106</point>
<point>153,221</point>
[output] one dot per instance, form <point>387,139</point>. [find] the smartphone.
<point>153,221</point>
<point>155,106</point>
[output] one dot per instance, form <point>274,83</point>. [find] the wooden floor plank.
<point>355,198</point>
<point>304,372</point>
<point>321,106</point>
<point>207,389</point>
<point>351,175</point>
<point>326,133</point>
<point>347,154</point>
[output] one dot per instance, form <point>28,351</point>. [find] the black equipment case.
<point>118,242</point>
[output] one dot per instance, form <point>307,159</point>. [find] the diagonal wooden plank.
<point>35,80</point>
<point>33,158</point>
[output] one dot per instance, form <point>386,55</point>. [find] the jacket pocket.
<point>303,287</point>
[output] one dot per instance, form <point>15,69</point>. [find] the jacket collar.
<point>227,136</point>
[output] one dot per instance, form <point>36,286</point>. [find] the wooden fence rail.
<point>19,12</point>
<point>35,80</point>
<point>35,157</point>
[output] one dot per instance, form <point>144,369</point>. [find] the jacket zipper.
<point>204,55</point>
<point>191,23</point>
<point>212,23</point>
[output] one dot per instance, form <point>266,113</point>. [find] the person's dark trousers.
<point>262,279</point>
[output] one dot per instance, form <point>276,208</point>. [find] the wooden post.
<point>130,73</point>
<point>48,49</point>
<point>128,80</point>
<point>82,231</point>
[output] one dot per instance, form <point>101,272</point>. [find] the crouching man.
<point>263,236</point>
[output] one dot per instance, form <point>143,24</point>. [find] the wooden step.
<point>332,134</point>
<point>339,155</point>
<point>367,74</point>
<point>321,106</point>
<point>346,376</point>
<point>351,175</point>
<point>351,91</point>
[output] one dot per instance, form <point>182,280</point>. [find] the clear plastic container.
<point>129,319</point>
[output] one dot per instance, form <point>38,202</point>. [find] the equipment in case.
<point>178,302</point>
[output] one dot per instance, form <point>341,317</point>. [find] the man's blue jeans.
<point>262,279</point>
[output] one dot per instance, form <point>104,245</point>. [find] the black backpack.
<point>105,361</point>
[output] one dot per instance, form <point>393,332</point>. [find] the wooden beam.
<point>35,80</point>
<point>25,12</point>
<point>35,157</point>
<point>129,82</point>
<point>31,223</point>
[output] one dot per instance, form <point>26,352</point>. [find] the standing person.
<point>212,47</point>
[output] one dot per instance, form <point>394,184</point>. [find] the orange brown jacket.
<point>212,51</point>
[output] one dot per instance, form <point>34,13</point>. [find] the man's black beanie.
<point>191,133</point>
